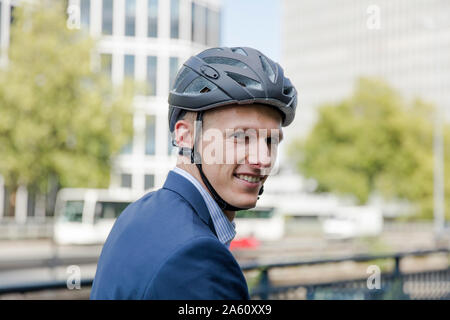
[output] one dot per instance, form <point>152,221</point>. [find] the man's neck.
<point>193,171</point>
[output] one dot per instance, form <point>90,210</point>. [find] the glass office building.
<point>327,44</point>
<point>145,40</point>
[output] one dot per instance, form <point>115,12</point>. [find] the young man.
<point>227,108</point>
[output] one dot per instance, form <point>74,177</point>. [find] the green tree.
<point>60,120</point>
<point>373,141</point>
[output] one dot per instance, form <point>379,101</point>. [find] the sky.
<point>252,23</point>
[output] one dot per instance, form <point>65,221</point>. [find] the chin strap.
<point>196,158</point>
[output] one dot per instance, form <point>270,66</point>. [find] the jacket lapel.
<point>189,192</point>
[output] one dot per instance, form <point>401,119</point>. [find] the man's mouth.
<point>249,178</point>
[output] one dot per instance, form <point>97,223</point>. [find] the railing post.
<point>398,280</point>
<point>264,284</point>
<point>310,292</point>
<point>397,272</point>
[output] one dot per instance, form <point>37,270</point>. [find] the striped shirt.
<point>224,228</point>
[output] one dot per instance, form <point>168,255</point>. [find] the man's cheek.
<point>274,165</point>
<point>234,153</point>
<point>240,153</point>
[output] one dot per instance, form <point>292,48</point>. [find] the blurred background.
<point>359,206</point>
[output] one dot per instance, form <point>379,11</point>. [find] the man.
<point>226,111</point>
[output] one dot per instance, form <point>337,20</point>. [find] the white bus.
<point>86,216</point>
<point>262,223</point>
<point>353,221</point>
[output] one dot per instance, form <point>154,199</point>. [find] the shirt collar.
<point>224,228</point>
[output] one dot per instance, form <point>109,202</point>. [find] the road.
<point>25,261</point>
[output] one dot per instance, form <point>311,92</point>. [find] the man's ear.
<point>184,133</point>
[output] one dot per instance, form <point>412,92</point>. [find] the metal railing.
<point>33,228</point>
<point>430,284</point>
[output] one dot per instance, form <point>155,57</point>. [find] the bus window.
<point>109,210</point>
<point>73,211</point>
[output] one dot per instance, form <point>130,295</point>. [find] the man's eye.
<point>239,135</point>
<point>271,141</point>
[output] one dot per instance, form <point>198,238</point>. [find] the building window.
<point>174,19</point>
<point>128,66</point>
<point>106,64</point>
<point>150,135</point>
<point>198,27</point>
<point>126,180</point>
<point>151,76</point>
<point>173,69</point>
<point>212,28</point>
<point>128,148</point>
<point>152,18</point>
<point>130,17</point>
<point>85,13</point>
<point>1,5</point>
<point>7,209</point>
<point>107,17</point>
<point>149,181</point>
<point>202,25</point>
<point>193,7</point>
<point>31,204</point>
<point>11,14</point>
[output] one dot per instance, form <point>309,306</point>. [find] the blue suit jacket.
<point>164,246</point>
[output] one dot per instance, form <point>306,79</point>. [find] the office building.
<point>146,40</point>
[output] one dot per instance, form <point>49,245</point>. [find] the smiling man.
<point>226,113</point>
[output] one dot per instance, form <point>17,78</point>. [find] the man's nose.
<point>259,154</point>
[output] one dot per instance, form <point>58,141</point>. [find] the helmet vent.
<point>288,91</point>
<point>267,68</point>
<point>181,75</point>
<point>239,50</point>
<point>199,86</point>
<point>225,60</point>
<point>245,81</point>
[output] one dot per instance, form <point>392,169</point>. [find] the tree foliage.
<point>374,142</point>
<point>59,118</point>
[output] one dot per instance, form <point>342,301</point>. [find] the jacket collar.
<point>189,192</point>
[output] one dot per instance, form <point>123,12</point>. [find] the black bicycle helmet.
<point>223,76</point>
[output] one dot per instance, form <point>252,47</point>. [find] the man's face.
<point>248,136</point>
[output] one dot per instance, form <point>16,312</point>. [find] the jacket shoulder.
<point>144,236</point>
<point>202,268</point>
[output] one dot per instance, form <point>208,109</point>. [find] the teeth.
<point>249,178</point>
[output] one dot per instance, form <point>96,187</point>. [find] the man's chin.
<point>241,199</point>
<point>245,204</point>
